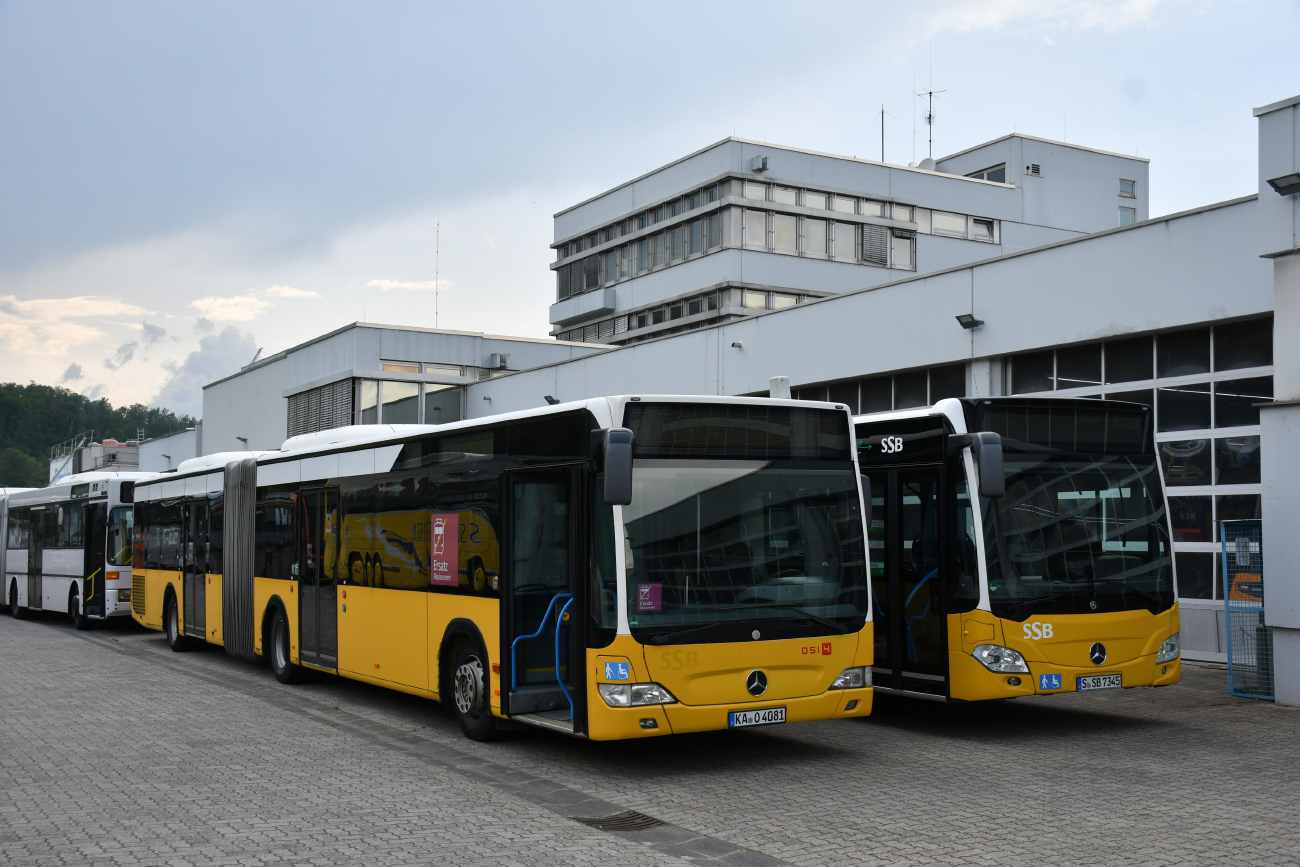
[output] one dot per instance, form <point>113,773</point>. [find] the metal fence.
<point>1250,642</point>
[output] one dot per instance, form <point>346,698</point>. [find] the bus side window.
<point>964,589</point>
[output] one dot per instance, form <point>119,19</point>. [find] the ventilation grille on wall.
<point>1033,169</point>
<point>323,408</point>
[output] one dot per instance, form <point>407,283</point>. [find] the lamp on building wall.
<point>1286,185</point>
<point>737,345</point>
<point>243,440</point>
<point>967,321</point>
<point>551,400</point>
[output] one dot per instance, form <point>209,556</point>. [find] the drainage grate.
<point>629,820</point>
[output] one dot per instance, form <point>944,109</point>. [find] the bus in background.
<point>620,567</point>
<point>1019,546</point>
<point>68,547</point>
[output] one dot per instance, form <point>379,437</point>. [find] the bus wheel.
<point>469,692</point>
<point>478,577</point>
<point>79,620</point>
<point>172,625</point>
<point>16,612</point>
<point>281,660</point>
<point>356,568</point>
<point>378,566</point>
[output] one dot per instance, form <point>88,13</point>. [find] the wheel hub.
<point>468,678</point>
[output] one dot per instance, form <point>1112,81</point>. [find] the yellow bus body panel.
<point>212,609</point>
<point>384,635</point>
<point>1131,639</point>
<point>264,590</point>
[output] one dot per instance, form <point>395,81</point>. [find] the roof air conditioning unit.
<point>499,361</point>
<point>758,164</point>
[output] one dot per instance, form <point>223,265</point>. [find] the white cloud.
<point>289,292</point>
<point>53,326</point>
<point>235,308</point>
<point>1056,14</point>
<point>386,285</point>
<point>218,355</point>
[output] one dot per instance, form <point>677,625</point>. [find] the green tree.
<point>35,417</point>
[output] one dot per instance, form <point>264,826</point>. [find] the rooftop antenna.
<point>929,116</point>
<point>437,261</point>
<point>882,130</point>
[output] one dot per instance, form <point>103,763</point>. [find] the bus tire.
<point>15,611</point>
<point>75,614</point>
<point>356,568</point>
<point>176,640</point>
<point>477,574</point>
<point>469,691</point>
<point>279,652</point>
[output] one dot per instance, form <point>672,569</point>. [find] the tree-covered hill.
<point>34,417</point>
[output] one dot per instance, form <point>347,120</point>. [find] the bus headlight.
<point>1003,660</point>
<point>852,678</point>
<point>1168,650</point>
<point>124,596</point>
<point>634,694</point>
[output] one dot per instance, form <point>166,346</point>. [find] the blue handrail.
<point>514,668</point>
<point>907,621</point>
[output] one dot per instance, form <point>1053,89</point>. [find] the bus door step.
<point>555,720</point>
<point>539,699</point>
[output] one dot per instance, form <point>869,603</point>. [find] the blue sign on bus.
<point>619,671</point>
<point>1049,681</point>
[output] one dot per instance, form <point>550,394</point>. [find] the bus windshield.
<point>1078,534</point>
<point>726,550</point>
<point>118,549</point>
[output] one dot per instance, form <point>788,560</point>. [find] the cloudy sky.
<point>182,184</point>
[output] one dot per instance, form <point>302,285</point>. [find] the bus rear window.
<point>741,431</point>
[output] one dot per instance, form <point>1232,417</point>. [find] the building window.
<point>675,311</point>
<point>754,300</point>
<point>1128,189</point>
<point>982,230</point>
<point>715,230</point>
<point>993,173</point>
<point>401,367</point>
<point>642,320</point>
<point>657,317</point>
<point>321,408</point>
<point>444,370</point>
<point>758,192</point>
<point>903,213</point>
<point>949,224</point>
<point>712,301</point>
<point>814,236</point>
<point>904,250</point>
<point>785,196</point>
<point>1127,216</point>
<point>694,306</point>
<point>814,200</point>
<point>873,209</point>
<point>785,232</point>
<point>844,236</point>
<point>845,205</point>
<point>781,302</point>
<point>755,228</point>
<point>369,401</point>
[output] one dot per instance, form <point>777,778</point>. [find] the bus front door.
<point>543,596</point>
<point>316,534</point>
<point>906,581</point>
<point>96,530</point>
<point>194,567</point>
<point>41,518</point>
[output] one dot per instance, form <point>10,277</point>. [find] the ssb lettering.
<point>1037,629</point>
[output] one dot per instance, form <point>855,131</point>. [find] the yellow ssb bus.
<point>620,567</point>
<point>1019,546</point>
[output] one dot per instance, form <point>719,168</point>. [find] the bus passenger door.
<point>907,584</point>
<point>96,530</point>
<point>543,593</point>
<point>35,544</point>
<point>194,567</point>
<point>316,533</point>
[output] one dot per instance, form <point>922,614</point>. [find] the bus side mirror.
<point>617,446</point>
<point>987,448</point>
<point>866,498</point>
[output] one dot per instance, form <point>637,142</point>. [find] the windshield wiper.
<point>662,638</point>
<point>1016,606</point>
<point>1144,594</point>
<point>816,618</point>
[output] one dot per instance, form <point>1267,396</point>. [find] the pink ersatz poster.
<point>444,554</point>
<point>649,597</point>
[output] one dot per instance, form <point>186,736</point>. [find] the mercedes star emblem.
<point>757,635</point>
<point>756,684</point>
<point>1097,653</point>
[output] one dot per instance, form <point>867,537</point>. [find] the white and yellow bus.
<point>621,567</point>
<point>1019,546</point>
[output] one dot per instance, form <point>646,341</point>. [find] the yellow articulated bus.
<point>1019,546</point>
<point>620,567</point>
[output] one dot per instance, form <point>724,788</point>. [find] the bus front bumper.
<point>971,681</point>
<point>607,723</point>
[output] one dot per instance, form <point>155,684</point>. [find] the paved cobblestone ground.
<point>113,750</point>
